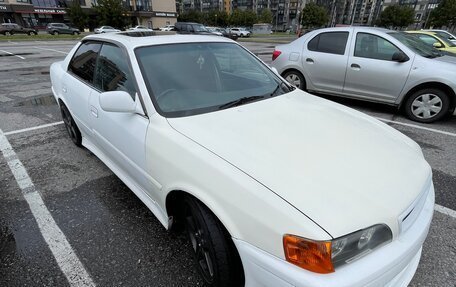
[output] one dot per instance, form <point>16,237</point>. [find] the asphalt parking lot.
<point>116,238</point>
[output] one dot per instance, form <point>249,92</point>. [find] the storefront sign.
<point>164,14</point>
<point>5,8</point>
<point>49,11</point>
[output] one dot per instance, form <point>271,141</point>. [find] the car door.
<point>18,29</point>
<point>78,83</point>
<point>324,61</point>
<point>371,72</point>
<point>121,136</point>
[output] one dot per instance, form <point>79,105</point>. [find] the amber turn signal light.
<point>311,255</point>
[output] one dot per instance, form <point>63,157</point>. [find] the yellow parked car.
<point>434,39</point>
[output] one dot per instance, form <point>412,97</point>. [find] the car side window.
<point>113,72</point>
<point>83,62</point>
<point>329,42</point>
<point>374,47</point>
<point>429,39</point>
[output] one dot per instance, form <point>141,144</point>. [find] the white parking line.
<point>417,127</point>
<point>67,260</point>
<point>53,50</point>
<point>12,54</point>
<point>445,210</point>
<point>32,128</point>
<point>12,42</point>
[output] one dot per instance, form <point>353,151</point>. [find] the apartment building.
<point>422,9</point>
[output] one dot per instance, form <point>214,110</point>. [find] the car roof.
<point>422,32</point>
<point>132,40</point>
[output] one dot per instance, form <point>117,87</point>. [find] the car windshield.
<point>194,78</point>
<point>445,39</point>
<point>415,44</point>
<point>200,28</point>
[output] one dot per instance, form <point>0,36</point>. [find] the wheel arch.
<point>431,85</point>
<point>294,69</point>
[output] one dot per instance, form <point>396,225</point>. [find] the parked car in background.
<point>197,127</point>
<point>192,28</point>
<point>240,32</point>
<point>60,28</point>
<point>13,28</point>
<point>372,64</point>
<point>435,40</point>
<point>167,28</point>
<point>444,34</point>
<point>106,29</point>
<point>223,32</point>
<point>139,28</point>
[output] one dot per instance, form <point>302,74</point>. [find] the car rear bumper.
<point>391,265</point>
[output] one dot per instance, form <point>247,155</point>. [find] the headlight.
<point>324,256</point>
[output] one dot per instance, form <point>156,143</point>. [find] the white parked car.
<point>275,186</point>
<point>240,32</point>
<point>167,28</point>
<point>105,29</point>
<point>139,28</point>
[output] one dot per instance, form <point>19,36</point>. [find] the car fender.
<point>410,85</point>
<point>249,211</point>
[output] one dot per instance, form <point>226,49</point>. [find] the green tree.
<point>396,16</point>
<point>77,16</point>
<point>243,18</point>
<point>314,16</point>
<point>265,16</point>
<point>111,13</point>
<point>191,16</point>
<point>444,15</point>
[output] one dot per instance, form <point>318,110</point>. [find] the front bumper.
<point>391,265</point>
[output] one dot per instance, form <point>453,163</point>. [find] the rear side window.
<point>84,61</point>
<point>330,42</point>
<point>113,72</point>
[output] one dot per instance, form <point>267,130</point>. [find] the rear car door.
<point>325,59</point>
<point>78,82</point>
<point>372,73</point>
<point>121,136</point>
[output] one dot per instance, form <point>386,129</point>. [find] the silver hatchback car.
<point>372,64</point>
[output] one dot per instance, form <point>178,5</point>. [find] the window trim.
<point>130,66</point>
<point>329,32</point>
<point>356,40</point>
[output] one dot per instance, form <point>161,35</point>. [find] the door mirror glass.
<point>118,102</point>
<point>400,57</point>
<point>437,45</point>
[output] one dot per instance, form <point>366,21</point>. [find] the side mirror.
<point>400,57</point>
<point>118,102</point>
<point>437,45</point>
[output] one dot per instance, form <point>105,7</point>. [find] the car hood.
<point>343,169</point>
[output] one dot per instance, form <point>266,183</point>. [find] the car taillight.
<point>275,54</point>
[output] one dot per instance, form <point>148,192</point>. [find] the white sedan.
<point>139,28</point>
<point>105,29</point>
<point>275,187</point>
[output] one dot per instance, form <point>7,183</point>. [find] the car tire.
<point>31,33</point>
<point>55,33</point>
<point>8,33</point>
<point>70,126</point>
<point>215,254</point>
<point>427,105</point>
<point>295,78</point>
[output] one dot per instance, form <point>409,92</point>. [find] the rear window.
<point>330,42</point>
<point>83,62</point>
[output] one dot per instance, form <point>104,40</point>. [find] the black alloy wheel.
<point>70,126</point>
<point>215,255</point>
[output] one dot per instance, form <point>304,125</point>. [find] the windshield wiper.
<point>239,102</point>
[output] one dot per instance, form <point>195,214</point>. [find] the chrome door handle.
<point>309,60</point>
<point>94,111</point>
